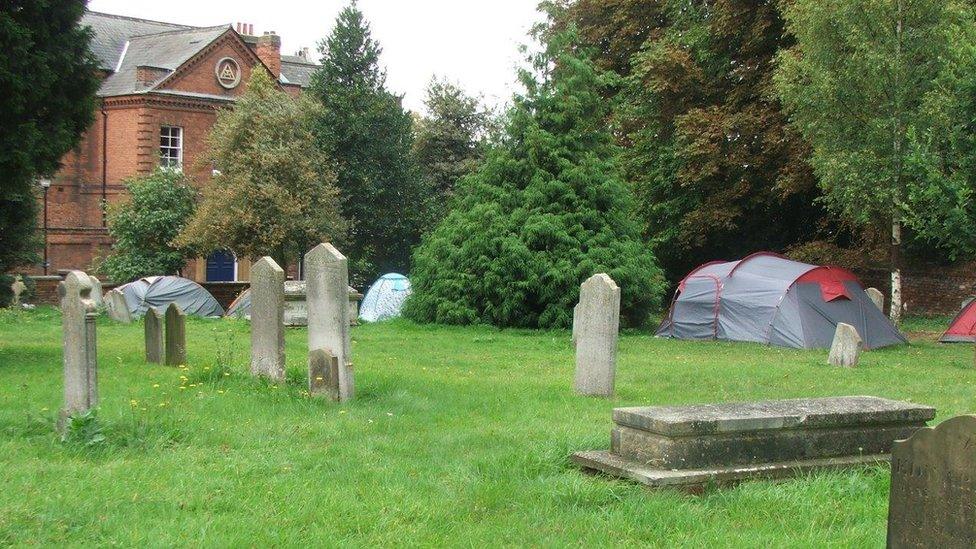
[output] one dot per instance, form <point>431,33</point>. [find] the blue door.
<point>220,267</point>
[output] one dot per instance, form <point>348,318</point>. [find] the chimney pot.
<point>250,29</point>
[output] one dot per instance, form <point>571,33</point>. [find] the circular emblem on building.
<point>228,73</point>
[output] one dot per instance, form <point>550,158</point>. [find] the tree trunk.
<point>896,304</point>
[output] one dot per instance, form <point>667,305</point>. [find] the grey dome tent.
<point>766,298</point>
<point>158,292</point>
<point>385,298</point>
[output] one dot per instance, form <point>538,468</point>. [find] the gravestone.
<point>153,327</point>
<point>323,374</point>
<point>18,287</point>
<point>877,297</point>
<point>933,487</point>
<point>175,335</point>
<point>693,446</point>
<point>267,320</point>
<point>846,348</point>
<point>597,323</point>
<point>327,289</point>
<point>575,320</point>
<point>97,292</point>
<point>117,308</point>
<point>79,349</point>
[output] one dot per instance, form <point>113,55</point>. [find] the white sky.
<point>472,42</point>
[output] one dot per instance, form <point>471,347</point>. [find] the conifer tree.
<point>366,131</point>
<point>449,143</point>
<point>47,99</point>
<point>546,209</point>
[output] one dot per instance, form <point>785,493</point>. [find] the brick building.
<point>162,85</point>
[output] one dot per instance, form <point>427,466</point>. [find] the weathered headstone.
<point>267,319</point>
<point>846,348</point>
<point>877,297</point>
<point>933,487</point>
<point>323,374</point>
<point>175,335</point>
<point>327,280</point>
<point>18,287</point>
<point>697,445</point>
<point>97,292</point>
<point>153,326</point>
<point>117,308</point>
<point>78,341</point>
<point>597,323</point>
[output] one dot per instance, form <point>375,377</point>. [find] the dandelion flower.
<point>133,403</point>
<point>220,391</point>
<point>155,386</point>
<point>342,411</point>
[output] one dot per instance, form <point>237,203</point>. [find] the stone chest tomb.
<point>692,446</point>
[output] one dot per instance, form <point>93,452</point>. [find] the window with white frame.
<point>171,147</point>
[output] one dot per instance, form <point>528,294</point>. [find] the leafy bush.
<point>144,226</point>
<point>546,210</point>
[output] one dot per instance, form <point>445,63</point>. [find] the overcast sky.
<point>472,42</point>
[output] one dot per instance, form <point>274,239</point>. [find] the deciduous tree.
<point>145,226</point>
<point>883,92</point>
<point>275,193</point>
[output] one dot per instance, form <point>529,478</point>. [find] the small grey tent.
<point>159,291</point>
<point>767,298</point>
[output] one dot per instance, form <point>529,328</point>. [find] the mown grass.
<point>458,436</point>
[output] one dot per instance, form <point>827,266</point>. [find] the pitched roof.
<point>165,50</point>
<point>123,44</point>
<point>296,69</point>
<point>113,31</point>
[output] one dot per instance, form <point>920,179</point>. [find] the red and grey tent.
<point>963,327</point>
<point>767,298</point>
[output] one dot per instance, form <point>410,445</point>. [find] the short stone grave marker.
<point>323,374</point>
<point>877,297</point>
<point>267,319</point>
<point>327,289</point>
<point>153,327</point>
<point>175,335</point>
<point>117,308</point>
<point>597,321</point>
<point>933,487</point>
<point>79,345</point>
<point>846,348</point>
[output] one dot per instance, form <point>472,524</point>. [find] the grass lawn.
<point>457,436</point>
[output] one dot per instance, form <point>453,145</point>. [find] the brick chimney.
<point>268,48</point>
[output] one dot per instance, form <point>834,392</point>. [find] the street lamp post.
<point>45,184</point>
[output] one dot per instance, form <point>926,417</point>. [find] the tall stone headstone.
<point>327,280</point>
<point>267,319</point>
<point>846,348</point>
<point>78,342</point>
<point>175,335</point>
<point>153,327</point>
<point>933,487</point>
<point>596,327</point>
<point>877,297</point>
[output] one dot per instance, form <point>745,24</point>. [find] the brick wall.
<point>928,291</point>
<point>225,292</point>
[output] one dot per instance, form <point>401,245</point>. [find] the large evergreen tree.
<point>275,194</point>
<point>449,143</point>
<point>47,97</point>
<point>368,134</point>
<point>883,91</point>
<point>546,210</point>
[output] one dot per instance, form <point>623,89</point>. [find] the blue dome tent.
<point>385,298</point>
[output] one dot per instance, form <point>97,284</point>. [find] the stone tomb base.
<point>692,446</point>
